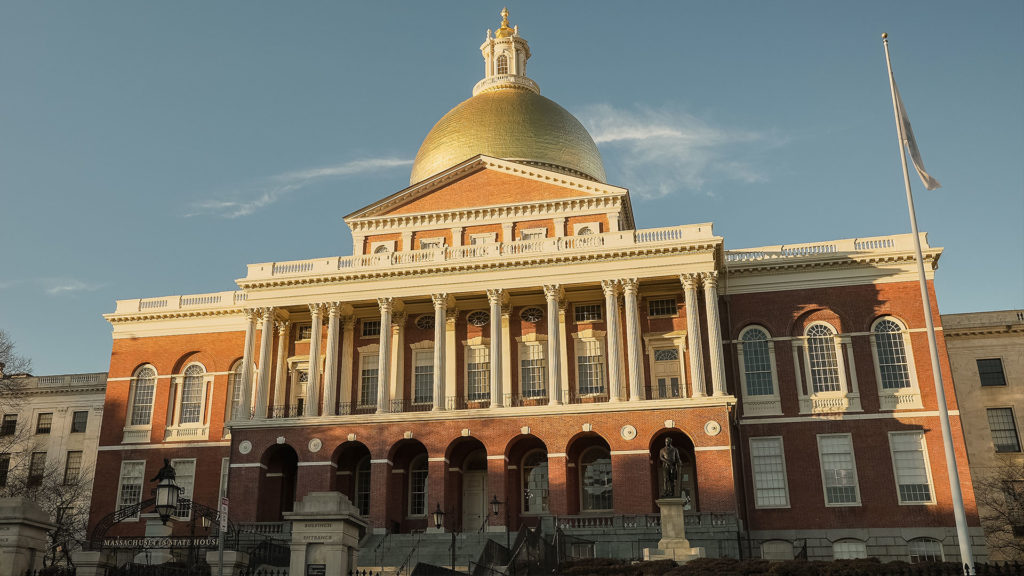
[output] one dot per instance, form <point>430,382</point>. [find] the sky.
<point>151,149</point>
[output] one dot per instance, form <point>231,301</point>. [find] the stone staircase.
<point>389,553</point>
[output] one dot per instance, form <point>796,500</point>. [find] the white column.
<point>281,373</point>
<point>384,362</point>
<point>397,382</point>
<point>440,323</point>
<point>456,236</point>
<point>451,368</point>
<point>245,405</point>
<point>312,407</point>
<point>552,293</point>
<point>348,324</point>
<point>714,333</point>
<point>494,298</point>
<point>331,367</point>
<point>263,380</point>
<point>633,341</point>
<point>559,224</point>
<point>563,348</point>
<point>611,305</point>
<point>693,334</point>
<point>506,346</point>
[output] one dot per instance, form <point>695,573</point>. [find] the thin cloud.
<point>58,286</point>
<point>663,151</point>
<point>272,189</point>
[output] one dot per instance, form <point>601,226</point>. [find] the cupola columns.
<point>505,55</point>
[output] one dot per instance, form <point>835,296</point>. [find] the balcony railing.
<point>894,243</point>
<point>348,408</point>
<point>285,411</point>
<point>467,402</point>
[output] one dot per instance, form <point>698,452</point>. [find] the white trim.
<point>753,474</point>
<point>556,455</point>
<point>383,461</point>
<point>841,416</point>
<point>175,445</point>
<point>495,456</point>
<point>437,459</point>
<point>927,468</point>
<point>767,404</point>
<point>249,465</point>
<point>626,452</point>
<point>896,397</point>
<point>317,463</point>
<point>711,448</point>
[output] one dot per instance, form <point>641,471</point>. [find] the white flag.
<point>911,144</point>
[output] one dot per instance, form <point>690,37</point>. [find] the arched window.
<point>502,64</point>
<point>891,352</point>
<point>821,352</point>
<point>535,482</point>
<point>192,395</point>
<point>363,486</point>
<point>143,387</point>
<point>924,550</point>
<point>235,388</point>
<point>849,550</point>
<point>418,486</point>
<point>381,249</point>
<point>596,479</point>
<point>757,365</point>
<point>585,231</point>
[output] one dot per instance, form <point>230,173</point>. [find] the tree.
<point>999,492</point>
<point>14,363</point>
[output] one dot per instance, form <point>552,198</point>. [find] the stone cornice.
<point>754,267</point>
<point>991,330</point>
<point>115,317</point>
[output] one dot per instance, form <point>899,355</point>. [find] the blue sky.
<point>149,149</point>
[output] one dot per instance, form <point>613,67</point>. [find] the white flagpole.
<point>966,555</point>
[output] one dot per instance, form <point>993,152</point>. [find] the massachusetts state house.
<point>506,332</point>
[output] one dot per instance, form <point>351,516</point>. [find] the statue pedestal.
<point>673,544</point>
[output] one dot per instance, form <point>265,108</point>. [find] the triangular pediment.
<point>485,182</point>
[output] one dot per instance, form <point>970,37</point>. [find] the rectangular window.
<point>304,332</point>
<point>1004,430</point>
<point>5,467</point>
<point>192,393</point>
<point>225,467</point>
<point>423,377</point>
<point>368,380</point>
<point>9,424</point>
<point>533,234</point>
<point>418,492</point>
<point>587,313</point>
<point>79,421</point>
<point>838,469</point>
<point>771,489</point>
<point>72,467</point>
<point>44,422</point>
<point>371,328</point>
<point>36,468</point>
<point>185,476</point>
<point>662,307</point>
<point>129,490</point>
<point>590,367</point>
<point>990,370</point>
<point>532,369</point>
<point>910,465</point>
<point>478,373</point>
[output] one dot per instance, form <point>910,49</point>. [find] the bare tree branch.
<point>14,362</point>
<point>999,492</point>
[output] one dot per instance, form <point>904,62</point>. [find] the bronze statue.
<point>670,461</point>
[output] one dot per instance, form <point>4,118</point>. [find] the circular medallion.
<point>244,447</point>
<point>712,428</point>
<point>628,432</point>
<point>532,315</point>
<point>315,445</point>
<point>478,318</point>
<point>425,322</point>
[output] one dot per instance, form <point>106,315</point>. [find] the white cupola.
<point>505,55</point>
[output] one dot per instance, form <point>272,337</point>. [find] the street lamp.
<point>439,524</point>
<point>166,492</point>
<point>495,508</point>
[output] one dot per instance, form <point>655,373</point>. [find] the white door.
<point>474,500</point>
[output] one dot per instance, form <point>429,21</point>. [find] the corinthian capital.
<point>316,308</point>
<point>385,304</point>
<point>630,285</point>
<point>553,292</point>
<point>610,287</point>
<point>710,278</point>
<point>494,295</point>
<point>690,280</point>
<point>440,300</point>
<point>282,326</point>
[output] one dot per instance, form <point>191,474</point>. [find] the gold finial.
<point>885,35</point>
<point>505,31</point>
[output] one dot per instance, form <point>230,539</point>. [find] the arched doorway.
<point>352,477</point>
<point>408,487</point>
<point>277,483</point>
<point>468,457</point>
<point>589,477</point>
<point>687,472</point>
<point>527,480</point>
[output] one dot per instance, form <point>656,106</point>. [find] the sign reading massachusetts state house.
<point>124,543</point>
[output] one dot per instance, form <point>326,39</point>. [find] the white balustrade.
<point>897,242</point>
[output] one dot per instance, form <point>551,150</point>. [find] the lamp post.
<point>439,524</point>
<point>495,509</point>
<point>167,492</point>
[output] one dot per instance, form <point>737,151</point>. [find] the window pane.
<point>821,348</point>
<point>371,328</point>
<point>423,378</point>
<point>192,395</point>
<point>596,472</point>
<point>142,403</point>
<point>36,468</point>
<point>1004,430</point>
<point>924,550</point>
<point>185,474</point>
<point>535,482</point>
<point>757,364</point>
<point>10,423</point>
<point>532,369</point>
<point>590,368</point>
<point>588,312</point>
<point>368,380</point>
<point>79,421</point>
<point>130,485</point>
<point>418,488</point>
<point>44,423</point>
<point>990,370</point>
<point>911,467</point>
<point>838,469</point>
<point>892,355</point>
<point>849,549</point>
<point>502,64</point>
<point>770,487</point>
<point>662,307</point>
<point>5,468</point>
<point>72,467</point>
<point>363,486</point>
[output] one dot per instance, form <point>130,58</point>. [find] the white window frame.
<point>365,353</point>
<point>120,487</point>
<point>580,341</point>
<point>235,388</point>
<point>362,485</point>
<point>297,390</point>
<point>594,226</point>
<point>389,244</point>
<point>862,549</point>
<point>177,430</point>
<point>927,468</point>
<point>753,471</point>
<point>524,482</point>
<point>413,464</point>
<point>422,355</point>
<point>659,341</point>
<point>847,397</point>
<point>486,237</point>
<point>853,463</point>
<point>523,233</point>
<point>600,308</point>
<point>473,347</point>
<point>533,347</point>
<point>658,298</point>
<point>759,404</point>
<point>187,485</point>
<point>911,553</point>
<point>135,432</point>
<point>362,329</point>
<point>896,398</point>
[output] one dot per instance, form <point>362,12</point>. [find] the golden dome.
<point>512,124</point>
